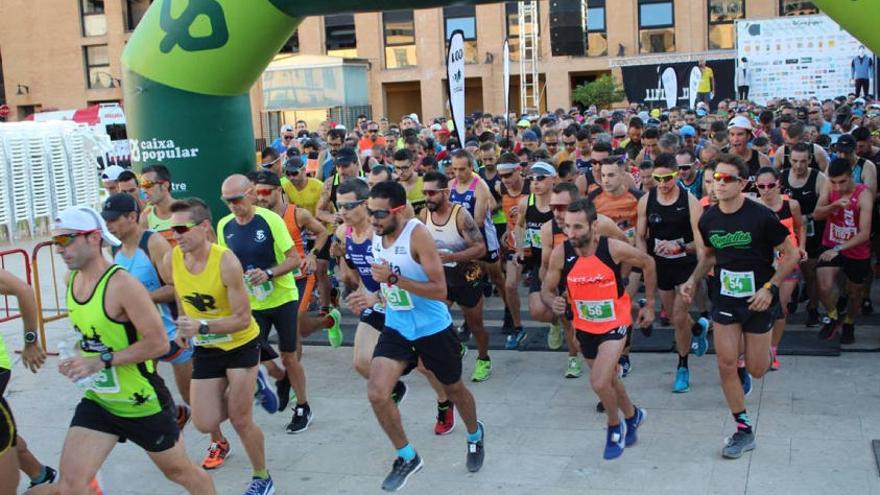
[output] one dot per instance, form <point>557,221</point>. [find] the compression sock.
<point>742,421</point>
<point>682,361</point>
<point>407,453</point>
<point>475,436</point>
<point>263,474</point>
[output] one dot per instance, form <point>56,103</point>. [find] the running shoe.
<point>282,388</point>
<point>632,425</point>
<point>463,332</point>
<point>828,329</point>
<point>183,414</point>
<point>482,370</point>
<point>334,333</point>
<point>574,368</point>
<point>746,379</point>
<point>615,441</point>
<point>400,473</point>
<point>302,418</point>
<point>445,420</point>
<point>682,381</point>
<point>700,342</point>
<point>51,474</point>
<point>847,334</point>
<point>624,365</point>
<point>812,317</point>
<point>475,453</point>
<point>265,394</point>
<point>217,453</point>
<point>774,359</point>
<point>738,444</point>
<point>867,307</point>
<point>554,336</point>
<point>260,486</point>
<point>398,394</point>
<point>515,339</point>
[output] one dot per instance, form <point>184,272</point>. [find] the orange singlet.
<point>296,235</point>
<point>510,205</point>
<point>622,209</point>
<point>599,303</point>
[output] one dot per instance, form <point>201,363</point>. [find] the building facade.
<point>61,54</point>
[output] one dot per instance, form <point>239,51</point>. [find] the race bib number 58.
<point>596,311</point>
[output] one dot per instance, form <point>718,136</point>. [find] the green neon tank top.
<point>5,361</point>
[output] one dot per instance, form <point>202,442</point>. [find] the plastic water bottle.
<point>68,350</point>
<point>260,292</point>
<point>646,331</point>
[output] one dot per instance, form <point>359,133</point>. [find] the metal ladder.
<point>529,90</point>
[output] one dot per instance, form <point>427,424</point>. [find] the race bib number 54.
<point>737,284</point>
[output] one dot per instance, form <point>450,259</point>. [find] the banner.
<point>797,57</point>
<point>455,80</point>
<point>505,53</point>
<point>696,75</point>
<point>649,83</point>
<point>858,17</point>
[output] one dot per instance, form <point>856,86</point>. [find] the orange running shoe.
<point>217,453</point>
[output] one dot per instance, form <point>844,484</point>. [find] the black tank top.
<point>670,223</point>
<point>806,194</point>
<point>491,183</point>
<point>534,220</point>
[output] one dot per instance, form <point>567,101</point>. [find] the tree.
<point>602,92</point>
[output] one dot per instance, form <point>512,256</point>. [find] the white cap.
<point>436,127</point>
<point>619,129</point>
<point>543,168</point>
<point>414,117</point>
<point>287,128</point>
<point>84,219</point>
<point>112,172</point>
<point>340,127</point>
<point>741,122</point>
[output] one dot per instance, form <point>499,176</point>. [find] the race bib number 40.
<point>737,284</point>
<point>596,311</point>
<point>397,298</point>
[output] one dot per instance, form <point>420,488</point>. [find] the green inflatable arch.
<point>187,70</point>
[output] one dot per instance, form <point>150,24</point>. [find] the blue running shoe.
<point>260,486</point>
<point>615,441</point>
<point>632,424</point>
<point>266,393</point>
<point>699,343</point>
<point>515,339</point>
<point>746,380</point>
<point>682,381</point>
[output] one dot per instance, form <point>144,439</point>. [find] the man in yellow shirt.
<point>706,88</point>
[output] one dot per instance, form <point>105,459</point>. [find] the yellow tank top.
<point>308,197</point>
<point>204,297</point>
<point>415,196</point>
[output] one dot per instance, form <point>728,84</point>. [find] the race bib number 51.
<point>596,311</point>
<point>397,298</point>
<point>737,284</point>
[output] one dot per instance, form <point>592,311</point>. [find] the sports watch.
<point>392,279</point>
<point>203,327</point>
<point>270,273</point>
<point>30,337</point>
<point>107,359</point>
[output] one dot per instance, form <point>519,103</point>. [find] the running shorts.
<point>727,312</point>
<point>440,352</point>
<point>155,433</point>
<point>856,271</point>
<point>590,342</point>
<point>211,362</point>
<point>283,319</point>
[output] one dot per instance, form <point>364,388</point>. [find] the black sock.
<point>696,329</point>
<point>683,361</point>
<point>444,405</point>
<point>487,358</point>
<point>742,421</point>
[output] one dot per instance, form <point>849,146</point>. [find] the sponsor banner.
<point>455,79</point>
<point>659,84</point>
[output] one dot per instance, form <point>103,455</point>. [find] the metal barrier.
<point>6,314</point>
<point>59,313</point>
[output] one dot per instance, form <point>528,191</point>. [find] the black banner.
<point>642,83</point>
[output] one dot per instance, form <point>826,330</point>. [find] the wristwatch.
<point>203,327</point>
<point>838,248</point>
<point>772,288</point>
<point>30,337</point>
<point>392,279</point>
<point>107,359</point>
<point>270,273</point>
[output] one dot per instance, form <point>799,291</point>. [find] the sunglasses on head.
<point>664,177</point>
<point>146,184</point>
<point>65,240</point>
<point>765,185</point>
<point>434,192</point>
<point>182,228</point>
<point>383,214</point>
<point>350,205</point>
<point>726,178</point>
<point>233,200</point>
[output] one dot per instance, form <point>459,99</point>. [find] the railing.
<point>57,312</point>
<point>6,314</point>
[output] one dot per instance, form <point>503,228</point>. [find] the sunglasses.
<point>288,138</point>
<point>726,178</point>
<point>539,178</point>
<point>434,192</point>
<point>814,112</point>
<point>685,167</point>
<point>664,177</point>
<point>555,145</point>
<point>505,176</point>
<point>264,192</point>
<point>233,200</point>
<point>383,214</point>
<point>350,205</point>
<point>559,208</point>
<point>65,240</point>
<point>767,185</point>
<point>292,173</point>
<point>145,184</point>
<point>182,229</point>
<point>373,131</point>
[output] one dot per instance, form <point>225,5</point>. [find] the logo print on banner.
<point>177,31</point>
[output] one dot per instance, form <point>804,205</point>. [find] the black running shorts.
<point>728,312</point>
<point>283,319</point>
<point>156,433</point>
<point>670,275</point>
<point>440,352</point>
<point>211,362</point>
<point>7,428</point>
<point>590,341</point>
<point>856,271</point>
<point>466,296</point>
<point>373,318</point>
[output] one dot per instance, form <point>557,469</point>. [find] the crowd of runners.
<point>736,217</point>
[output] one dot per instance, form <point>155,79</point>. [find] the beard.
<point>432,206</point>
<point>582,241</point>
<point>388,229</point>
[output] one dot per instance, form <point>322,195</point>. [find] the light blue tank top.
<point>410,315</point>
<point>141,267</point>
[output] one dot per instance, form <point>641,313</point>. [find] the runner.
<point>667,230</point>
<point>156,185</point>
<point>210,289</point>
<point>789,213</point>
<point>411,181</point>
<point>461,246</point>
<point>690,175</point>
<point>741,236</point>
<point>124,398</point>
<point>846,207</point>
<point>512,189</point>
<point>262,243</point>
<point>793,136</point>
<point>586,268</point>
<point>417,327</point>
<point>739,130</point>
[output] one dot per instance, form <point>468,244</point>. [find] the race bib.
<point>737,284</point>
<point>670,253</point>
<point>211,339</point>
<point>840,234</point>
<point>397,298</point>
<point>596,311</point>
<point>107,382</point>
<point>532,238</point>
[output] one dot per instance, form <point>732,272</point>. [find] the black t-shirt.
<point>743,242</point>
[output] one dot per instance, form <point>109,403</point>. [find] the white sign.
<point>696,75</point>
<point>670,86</point>
<point>455,78</point>
<point>506,60</point>
<point>796,57</point>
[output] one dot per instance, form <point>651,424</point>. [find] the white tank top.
<point>447,236</point>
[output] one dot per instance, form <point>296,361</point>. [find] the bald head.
<point>235,185</point>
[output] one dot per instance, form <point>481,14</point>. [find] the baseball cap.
<point>687,131</point>
<point>701,112</point>
<point>436,127</point>
<point>112,172</point>
<point>859,101</point>
<point>117,205</point>
<point>287,128</point>
<point>740,122</point>
<point>524,123</point>
<point>266,177</point>
<point>619,129</point>
<point>293,163</point>
<point>529,136</point>
<point>846,143</point>
<point>346,155</point>
<point>543,168</point>
<point>84,219</point>
<point>655,113</point>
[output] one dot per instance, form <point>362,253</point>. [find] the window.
<point>97,67</point>
<point>597,37</point>
<point>292,45</point>
<point>134,12</point>
<point>797,7</point>
<point>656,26</point>
<point>463,17</point>
<point>339,35</point>
<point>400,39</point>
<point>722,17</point>
<point>94,22</point>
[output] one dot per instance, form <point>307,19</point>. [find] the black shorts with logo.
<point>670,275</point>
<point>856,271</point>
<point>440,352</point>
<point>212,362</point>
<point>590,342</point>
<point>7,427</point>
<point>155,433</point>
<point>373,318</point>
<point>466,296</point>
<point>727,311</point>
<point>283,319</point>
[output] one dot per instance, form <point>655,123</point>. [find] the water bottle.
<point>260,292</point>
<point>646,331</point>
<point>68,350</point>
